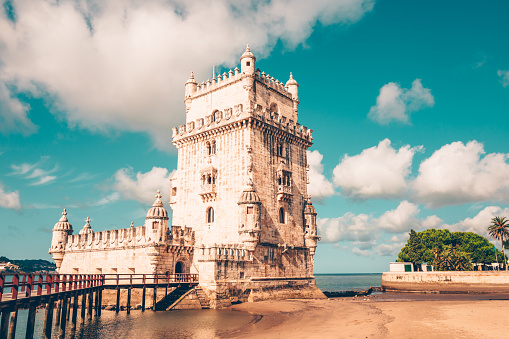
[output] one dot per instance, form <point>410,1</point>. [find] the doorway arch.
<point>179,267</point>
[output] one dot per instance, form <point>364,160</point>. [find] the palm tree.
<point>499,229</point>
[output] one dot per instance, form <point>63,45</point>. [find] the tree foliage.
<point>499,229</point>
<point>448,251</point>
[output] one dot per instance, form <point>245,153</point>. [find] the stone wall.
<point>447,282</point>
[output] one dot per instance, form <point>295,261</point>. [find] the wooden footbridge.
<point>61,292</point>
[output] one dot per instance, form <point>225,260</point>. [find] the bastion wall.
<point>447,282</point>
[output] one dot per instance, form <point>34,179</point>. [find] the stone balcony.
<point>284,193</point>
<point>208,192</point>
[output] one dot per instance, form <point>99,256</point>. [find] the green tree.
<point>447,250</point>
<point>499,229</point>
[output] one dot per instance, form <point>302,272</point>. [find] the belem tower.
<point>242,219</point>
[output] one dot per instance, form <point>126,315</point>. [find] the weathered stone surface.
<point>242,218</point>
<point>464,282</point>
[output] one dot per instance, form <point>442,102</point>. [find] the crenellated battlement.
<point>226,116</point>
<point>128,238</point>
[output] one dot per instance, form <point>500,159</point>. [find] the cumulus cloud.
<point>479,223</point>
<point>9,199</point>
<point>378,172</point>
<point>122,64</point>
<point>458,173</point>
<point>349,227</point>
<point>396,103</point>
<point>504,77</point>
<point>319,187</point>
<point>400,219</point>
<point>369,234</point>
<point>142,187</point>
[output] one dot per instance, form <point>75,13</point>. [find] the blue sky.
<point>408,101</point>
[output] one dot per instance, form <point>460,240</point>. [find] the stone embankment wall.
<point>447,282</point>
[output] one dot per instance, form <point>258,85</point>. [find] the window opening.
<point>210,215</point>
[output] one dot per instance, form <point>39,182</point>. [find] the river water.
<point>182,323</point>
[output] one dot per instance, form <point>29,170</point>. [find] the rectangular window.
<point>250,209</point>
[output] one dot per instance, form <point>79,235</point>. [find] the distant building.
<point>242,218</point>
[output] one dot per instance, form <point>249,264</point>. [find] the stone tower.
<point>241,183</point>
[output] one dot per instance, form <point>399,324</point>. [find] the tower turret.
<point>156,221</point>
<point>247,62</point>
<point>191,86</point>
<point>249,228</point>
<point>61,230</point>
<point>293,87</point>
<point>87,229</point>
<point>310,236</point>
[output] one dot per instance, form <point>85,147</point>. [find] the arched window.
<point>213,147</point>
<point>209,149</point>
<point>210,215</point>
<point>282,215</point>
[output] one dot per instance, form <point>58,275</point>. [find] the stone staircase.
<point>202,297</point>
<point>173,298</point>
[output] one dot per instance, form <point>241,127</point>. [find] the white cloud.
<point>396,103</point>
<point>35,171</point>
<point>387,250</point>
<point>9,199</point>
<point>319,187</point>
<point>400,219</point>
<point>378,172</point>
<point>479,223</point>
<point>456,173</point>
<point>505,77</point>
<point>142,187</point>
<point>349,227</point>
<point>13,114</point>
<point>122,64</point>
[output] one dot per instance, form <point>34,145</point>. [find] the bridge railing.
<point>149,279</point>
<point>22,285</point>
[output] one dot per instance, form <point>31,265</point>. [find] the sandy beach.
<point>380,316</point>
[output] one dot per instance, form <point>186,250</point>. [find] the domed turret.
<point>61,230</point>
<point>87,229</point>
<point>247,62</point>
<point>156,220</point>
<point>157,211</point>
<point>293,87</point>
<point>249,228</point>
<point>63,224</point>
<point>249,195</point>
<point>310,236</point>
<point>191,86</point>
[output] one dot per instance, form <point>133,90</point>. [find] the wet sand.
<point>386,315</point>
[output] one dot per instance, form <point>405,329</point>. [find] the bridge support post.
<point>143,299</point>
<point>96,302</point>
<point>90,303</point>
<point>74,310</point>
<point>68,308</point>
<point>59,309</point>
<point>63,321</point>
<point>129,300</point>
<point>48,319</point>
<point>83,305</point>
<point>99,308</point>
<point>154,299</point>
<point>118,300</point>
<point>31,321</point>
<point>4,327</point>
<point>14,320</point>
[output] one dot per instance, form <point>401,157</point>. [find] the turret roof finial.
<point>291,81</point>
<point>132,224</point>
<point>64,215</point>
<point>158,202</point>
